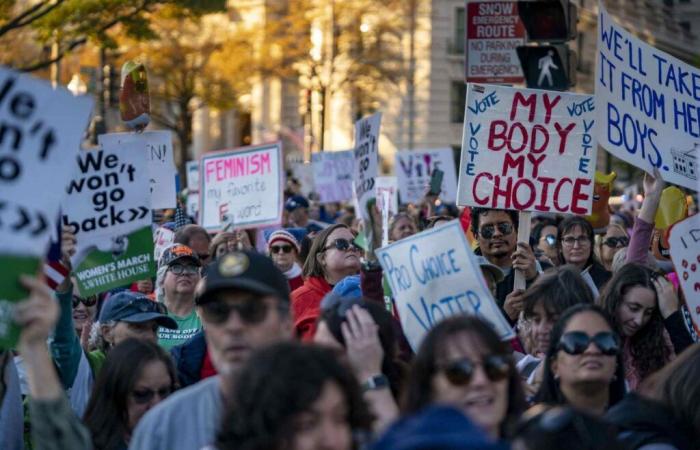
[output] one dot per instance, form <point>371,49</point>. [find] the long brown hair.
<point>312,267</point>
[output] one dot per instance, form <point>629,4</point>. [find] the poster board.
<point>685,254</point>
<point>366,166</point>
<point>414,168</point>
<point>333,175</point>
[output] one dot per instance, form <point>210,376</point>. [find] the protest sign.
<point>244,185</point>
<point>304,173</point>
<point>685,254</point>
<point>108,208</point>
<point>162,238</point>
<point>366,166</point>
<point>433,275</point>
<point>333,175</point>
<point>192,206</point>
<point>158,148</point>
<point>648,105</point>
<point>390,186</point>
<point>414,168</point>
<point>192,169</point>
<point>527,150</point>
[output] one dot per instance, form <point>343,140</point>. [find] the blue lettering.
<point>415,314</point>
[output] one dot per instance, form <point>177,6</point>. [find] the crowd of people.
<point>288,339</point>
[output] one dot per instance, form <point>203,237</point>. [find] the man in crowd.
<point>182,273</point>
<point>244,305</point>
<point>196,238</point>
<point>298,209</point>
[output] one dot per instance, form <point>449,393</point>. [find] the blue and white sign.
<point>434,275</point>
<point>648,105</point>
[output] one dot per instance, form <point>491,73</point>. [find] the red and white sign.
<point>494,32</point>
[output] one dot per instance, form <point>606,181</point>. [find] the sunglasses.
<point>281,248</point>
<point>181,269</point>
<point>461,372</point>
<point>143,396</point>
<point>251,311</point>
<point>87,301</point>
<point>576,342</point>
<point>615,242</point>
<point>344,245</point>
<point>487,231</point>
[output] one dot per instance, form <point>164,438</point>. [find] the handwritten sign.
<point>648,105</point>
<point>192,170</point>
<point>528,150</point>
<point>685,254</point>
<point>414,168</point>
<point>366,160</point>
<point>333,175</point>
<point>304,173</point>
<point>388,185</point>
<point>158,148</point>
<point>433,275</point>
<point>162,239</point>
<point>243,186</point>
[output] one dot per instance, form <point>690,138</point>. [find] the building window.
<point>460,31</point>
<point>458,94</point>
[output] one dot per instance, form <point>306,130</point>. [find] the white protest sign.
<point>243,185</point>
<point>158,148</point>
<point>41,129</point>
<point>648,105</point>
<point>434,275</point>
<point>414,168</point>
<point>390,185</point>
<point>685,254</point>
<point>304,173</point>
<point>192,169</point>
<point>192,206</point>
<point>162,238</point>
<point>366,166</point>
<point>528,150</point>
<point>333,175</point>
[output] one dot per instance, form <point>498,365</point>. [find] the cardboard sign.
<point>528,150</point>
<point>41,129</point>
<point>158,148</point>
<point>414,168</point>
<point>366,166</point>
<point>162,239</point>
<point>433,275</point>
<point>192,169</point>
<point>494,32</point>
<point>108,206</point>
<point>648,105</point>
<point>685,254</point>
<point>304,173</point>
<point>242,186</point>
<point>333,175</point>
<point>192,206</point>
<point>390,185</point>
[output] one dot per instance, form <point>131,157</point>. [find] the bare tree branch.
<point>31,14</point>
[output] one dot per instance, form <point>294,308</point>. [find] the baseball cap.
<point>243,270</point>
<point>296,201</point>
<point>133,307</point>
<point>493,269</point>
<point>176,253</point>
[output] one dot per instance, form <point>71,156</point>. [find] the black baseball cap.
<point>243,270</point>
<point>133,307</point>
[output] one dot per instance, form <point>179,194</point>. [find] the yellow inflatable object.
<point>673,208</point>
<point>600,213</point>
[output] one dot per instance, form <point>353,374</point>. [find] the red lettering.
<point>523,138</point>
<point>498,192</point>
<point>545,182</point>
<point>533,139</point>
<point>556,194</point>
<point>209,169</point>
<point>531,197</point>
<point>480,201</point>
<point>265,163</point>
<point>563,133</point>
<point>530,101</point>
<point>536,161</point>
<point>497,134</point>
<point>514,162</point>
<point>579,196</point>
<point>549,106</point>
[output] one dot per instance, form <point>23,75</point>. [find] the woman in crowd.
<point>576,248</point>
<point>463,363</point>
<point>402,226</point>
<point>607,245</point>
<point>293,397</point>
<point>583,365</point>
<point>137,375</point>
<point>646,313</point>
<point>230,241</point>
<point>283,249</point>
<point>333,256</point>
<point>544,239</point>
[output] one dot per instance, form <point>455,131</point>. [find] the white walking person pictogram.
<point>546,64</point>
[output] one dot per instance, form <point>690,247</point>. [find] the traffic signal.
<point>547,61</point>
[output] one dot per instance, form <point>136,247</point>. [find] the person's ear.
<point>321,259</point>
<point>107,333</point>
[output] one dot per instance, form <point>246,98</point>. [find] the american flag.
<point>181,218</point>
<point>54,271</point>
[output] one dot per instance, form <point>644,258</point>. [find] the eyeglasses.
<point>281,248</point>
<point>576,342</point>
<point>181,269</point>
<point>343,245</point>
<point>461,372</point>
<point>87,301</point>
<point>487,231</point>
<point>252,311</point>
<point>570,241</point>
<point>615,242</point>
<point>143,396</point>
<point>550,239</point>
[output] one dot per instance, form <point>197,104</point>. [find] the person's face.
<point>592,366</point>
<point>549,234</point>
<point>575,246</point>
<point>336,261</point>
<point>182,284</point>
<point>403,228</point>
<point>200,245</point>
<point>238,322</point>
<point>482,400</point>
<point>635,310</point>
<point>83,314</point>
<point>147,331</point>
<point>324,426</point>
<point>299,216</point>
<point>283,254</point>
<point>541,325</point>
<point>145,286</point>
<point>502,232</point>
<point>152,386</point>
<point>610,247</point>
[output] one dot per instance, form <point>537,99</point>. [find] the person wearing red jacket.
<point>333,256</point>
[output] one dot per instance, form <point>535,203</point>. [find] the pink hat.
<point>283,235</point>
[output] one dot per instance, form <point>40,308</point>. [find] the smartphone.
<point>436,182</point>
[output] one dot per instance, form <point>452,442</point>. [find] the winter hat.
<point>282,235</point>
